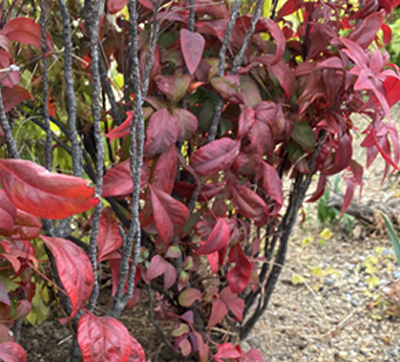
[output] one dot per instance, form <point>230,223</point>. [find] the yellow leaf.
<point>297,279</point>
<point>307,240</point>
<point>372,281</point>
<point>317,271</point>
<point>326,234</point>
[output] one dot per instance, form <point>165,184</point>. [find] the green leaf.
<point>393,236</point>
<point>304,136</point>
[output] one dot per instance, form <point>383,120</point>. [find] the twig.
<point>91,25</point>
<point>239,56</point>
<point>70,92</point>
<point>11,146</point>
<point>45,96</point>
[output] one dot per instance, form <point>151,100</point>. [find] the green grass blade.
<point>393,237</point>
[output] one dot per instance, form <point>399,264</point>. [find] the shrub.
<point>187,117</point>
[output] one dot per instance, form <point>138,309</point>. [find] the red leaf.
<point>348,197</point>
<point>8,212</point>
<point>217,240</point>
<point>123,129</point>
<point>289,7</point>
<point>218,312</point>
<point>344,151</point>
<point>118,180</point>
<point>137,352</point>
<point>203,349</point>
<point>250,205</point>
<point>114,266</point>
<point>387,33</point>
<point>12,78</point>
<point>12,352</point>
<point>320,188</point>
<point>25,30</point>
<point>239,276</point>
<point>285,76</point>
<point>227,350</point>
<point>192,45</point>
<point>366,31</point>
<point>75,271</point>
<point>114,6</point>
<point>174,86</point>
<point>246,122</point>
<point>157,267</point>
<point>33,189</point>
<point>108,237</point>
<point>14,96</point>
<point>213,260</point>
<point>273,186</point>
<point>234,303</point>
<point>170,215</point>
<point>188,296</point>
<point>103,339</point>
<point>163,176</point>
<point>254,355</point>
<point>186,121</point>
<point>279,37</point>
<point>215,156</point>
<point>18,253</point>
<point>162,132</point>
<point>169,276</point>
<point>23,309</point>
<point>26,227</point>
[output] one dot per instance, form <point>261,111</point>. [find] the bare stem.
<point>70,92</point>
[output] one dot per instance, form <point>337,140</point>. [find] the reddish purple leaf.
<point>12,352</point>
<point>227,350</point>
<point>227,86</point>
<point>366,31</point>
<point>12,78</point>
<point>118,180</point>
<point>26,227</point>
<point>23,309</point>
<point>246,122</point>
<point>114,266</point>
<point>320,188</point>
<point>192,45</point>
<point>344,151</point>
<point>114,6</point>
<point>186,121</point>
<point>18,253</point>
<point>348,197</point>
<point>253,355</point>
<point>218,313</point>
<point>8,212</point>
<point>203,349</point>
<point>14,96</point>
<point>162,132</point>
<point>173,86</point>
<point>75,271</point>
<point>137,352</point>
<point>233,302</point>
<point>185,346</point>
<point>215,156</point>
<point>103,339</point>
<point>239,276</point>
<point>217,240</point>
<point>250,205</point>
<point>188,296</point>
<point>25,30</point>
<point>33,189</point>
<point>169,276</point>
<point>108,237</point>
<point>273,186</point>
<point>163,176</point>
<point>170,215</point>
<point>157,267</point>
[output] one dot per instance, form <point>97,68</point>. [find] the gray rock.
<point>329,282</point>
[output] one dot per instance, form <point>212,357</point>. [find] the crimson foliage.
<point>222,107</point>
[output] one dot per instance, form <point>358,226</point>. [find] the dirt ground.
<point>331,303</point>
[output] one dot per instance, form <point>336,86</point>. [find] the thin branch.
<point>70,92</point>
<point>136,159</point>
<point>153,44</point>
<point>45,95</point>
<point>157,326</point>
<point>91,10</point>
<point>221,67</point>
<point>110,94</point>
<point>11,146</point>
<point>191,16</point>
<point>239,56</point>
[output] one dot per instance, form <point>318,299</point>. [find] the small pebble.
<point>329,282</point>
